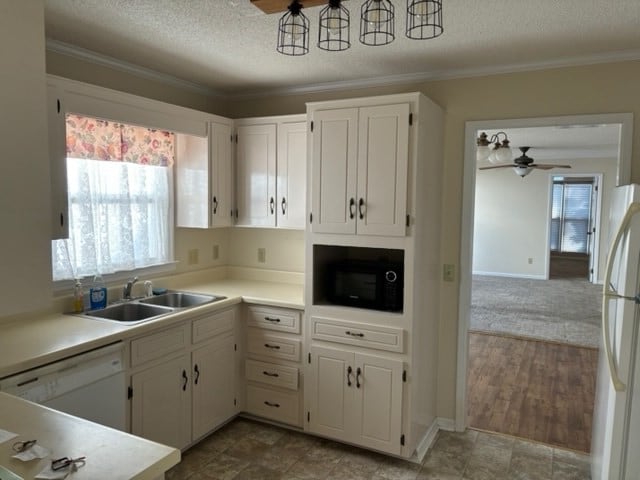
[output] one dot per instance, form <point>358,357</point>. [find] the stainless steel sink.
<point>180,299</point>
<point>144,309</point>
<point>132,312</point>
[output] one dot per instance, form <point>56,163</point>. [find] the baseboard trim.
<point>510,275</point>
<point>430,436</point>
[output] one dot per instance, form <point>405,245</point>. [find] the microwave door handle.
<point>609,293</point>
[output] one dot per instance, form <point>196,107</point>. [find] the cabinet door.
<point>330,390</point>
<point>160,409</point>
<point>378,402</point>
<point>214,388</point>
<point>192,181</point>
<point>221,175</point>
<point>292,175</point>
<point>58,162</point>
<point>334,162</point>
<point>383,155</point>
<point>256,171</point>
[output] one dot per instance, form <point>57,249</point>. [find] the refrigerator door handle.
<point>609,293</point>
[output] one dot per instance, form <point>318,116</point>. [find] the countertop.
<point>41,339</point>
<point>109,453</point>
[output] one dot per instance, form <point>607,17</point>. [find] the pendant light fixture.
<point>492,149</point>
<point>424,19</point>
<point>333,34</point>
<point>293,31</point>
<point>377,22</point>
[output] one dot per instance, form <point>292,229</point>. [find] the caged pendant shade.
<point>333,34</point>
<point>424,19</point>
<point>377,22</point>
<point>293,31</point>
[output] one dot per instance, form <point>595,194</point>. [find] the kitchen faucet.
<point>126,292</point>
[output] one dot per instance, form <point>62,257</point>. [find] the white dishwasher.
<point>91,385</point>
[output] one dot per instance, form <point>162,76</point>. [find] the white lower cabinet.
<point>355,397</point>
<point>179,400</point>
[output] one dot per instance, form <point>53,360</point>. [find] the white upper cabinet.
<point>271,172</point>
<point>360,164</point>
<point>256,175</point>
<point>204,178</point>
<point>58,163</point>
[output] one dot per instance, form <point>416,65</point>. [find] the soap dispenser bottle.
<point>98,293</point>
<point>78,297</point>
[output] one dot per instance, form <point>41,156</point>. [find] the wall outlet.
<point>216,252</point>
<point>530,260</point>
<point>192,256</point>
<point>448,272</point>
<point>262,255</point>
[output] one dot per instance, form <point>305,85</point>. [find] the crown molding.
<point>117,64</point>
<point>389,80</point>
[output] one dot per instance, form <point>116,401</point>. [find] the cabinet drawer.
<point>274,319</point>
<point>159,344</point>
<point>274,346</point>
<point>277,375</point>
<point>210,326</point>
<point>355,333</point>
<point>280,406</point>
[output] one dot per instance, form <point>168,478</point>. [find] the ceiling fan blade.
<point>504,165</point>
<point>543,166</point>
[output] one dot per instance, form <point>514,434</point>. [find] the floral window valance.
<point>98,139</point>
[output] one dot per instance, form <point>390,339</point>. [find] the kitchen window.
<point>119,189</point>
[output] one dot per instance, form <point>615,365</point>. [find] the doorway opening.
<point>528,267</point>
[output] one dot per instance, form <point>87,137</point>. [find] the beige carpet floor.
<point>565,310</point>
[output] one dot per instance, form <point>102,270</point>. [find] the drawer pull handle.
<point>275,347</point>
<point>349,373</point>
<point>269,404</point>
<point>270,319</point>
<point>197,371</point>
<point>269,374</point>
<point>358,373</point>
<point>185,380</point>
<point>354,334</point>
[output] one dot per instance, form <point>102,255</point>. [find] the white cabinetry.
<point>359,162</point>
<point>376,188</point>
<point>25,246</point>
<point>58,163</point>
<point>271,172</point>
<point>355,397</point>
<point>183,385</point>
<point>272,367</point>
<point>204,177</point>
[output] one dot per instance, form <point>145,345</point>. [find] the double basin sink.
<point>149,308</point>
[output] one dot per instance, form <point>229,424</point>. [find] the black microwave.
<point>375,285</point>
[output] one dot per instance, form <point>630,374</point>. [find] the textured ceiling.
<point>228,46</point>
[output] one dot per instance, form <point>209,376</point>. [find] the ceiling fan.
<point>523,165</point>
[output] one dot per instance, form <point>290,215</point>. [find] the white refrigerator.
<point>615,443</point>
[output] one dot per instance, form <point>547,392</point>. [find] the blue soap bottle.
<point>98,293</point>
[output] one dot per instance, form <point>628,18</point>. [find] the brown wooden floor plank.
<point>541,391</point>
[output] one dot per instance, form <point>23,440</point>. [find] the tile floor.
<point>248,450</point>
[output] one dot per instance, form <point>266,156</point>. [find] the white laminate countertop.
<point>41,339</point>
<point>110,454</point>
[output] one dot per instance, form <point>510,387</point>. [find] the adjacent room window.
<point>119,187</point>
<point>570,215</point>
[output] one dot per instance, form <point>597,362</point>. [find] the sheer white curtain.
<point>119,218</point>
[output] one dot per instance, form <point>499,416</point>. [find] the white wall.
<point>512,214</point>
<point>284,248</point>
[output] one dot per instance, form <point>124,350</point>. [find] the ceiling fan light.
<point>377,22</point>
<point>424,19</point>
<point>333,32</point>
<point>522,170</point>
<point>293,31</point>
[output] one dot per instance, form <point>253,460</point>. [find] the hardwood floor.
<point>531,389</point>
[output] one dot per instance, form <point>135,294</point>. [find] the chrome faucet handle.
<point>126,292</point>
